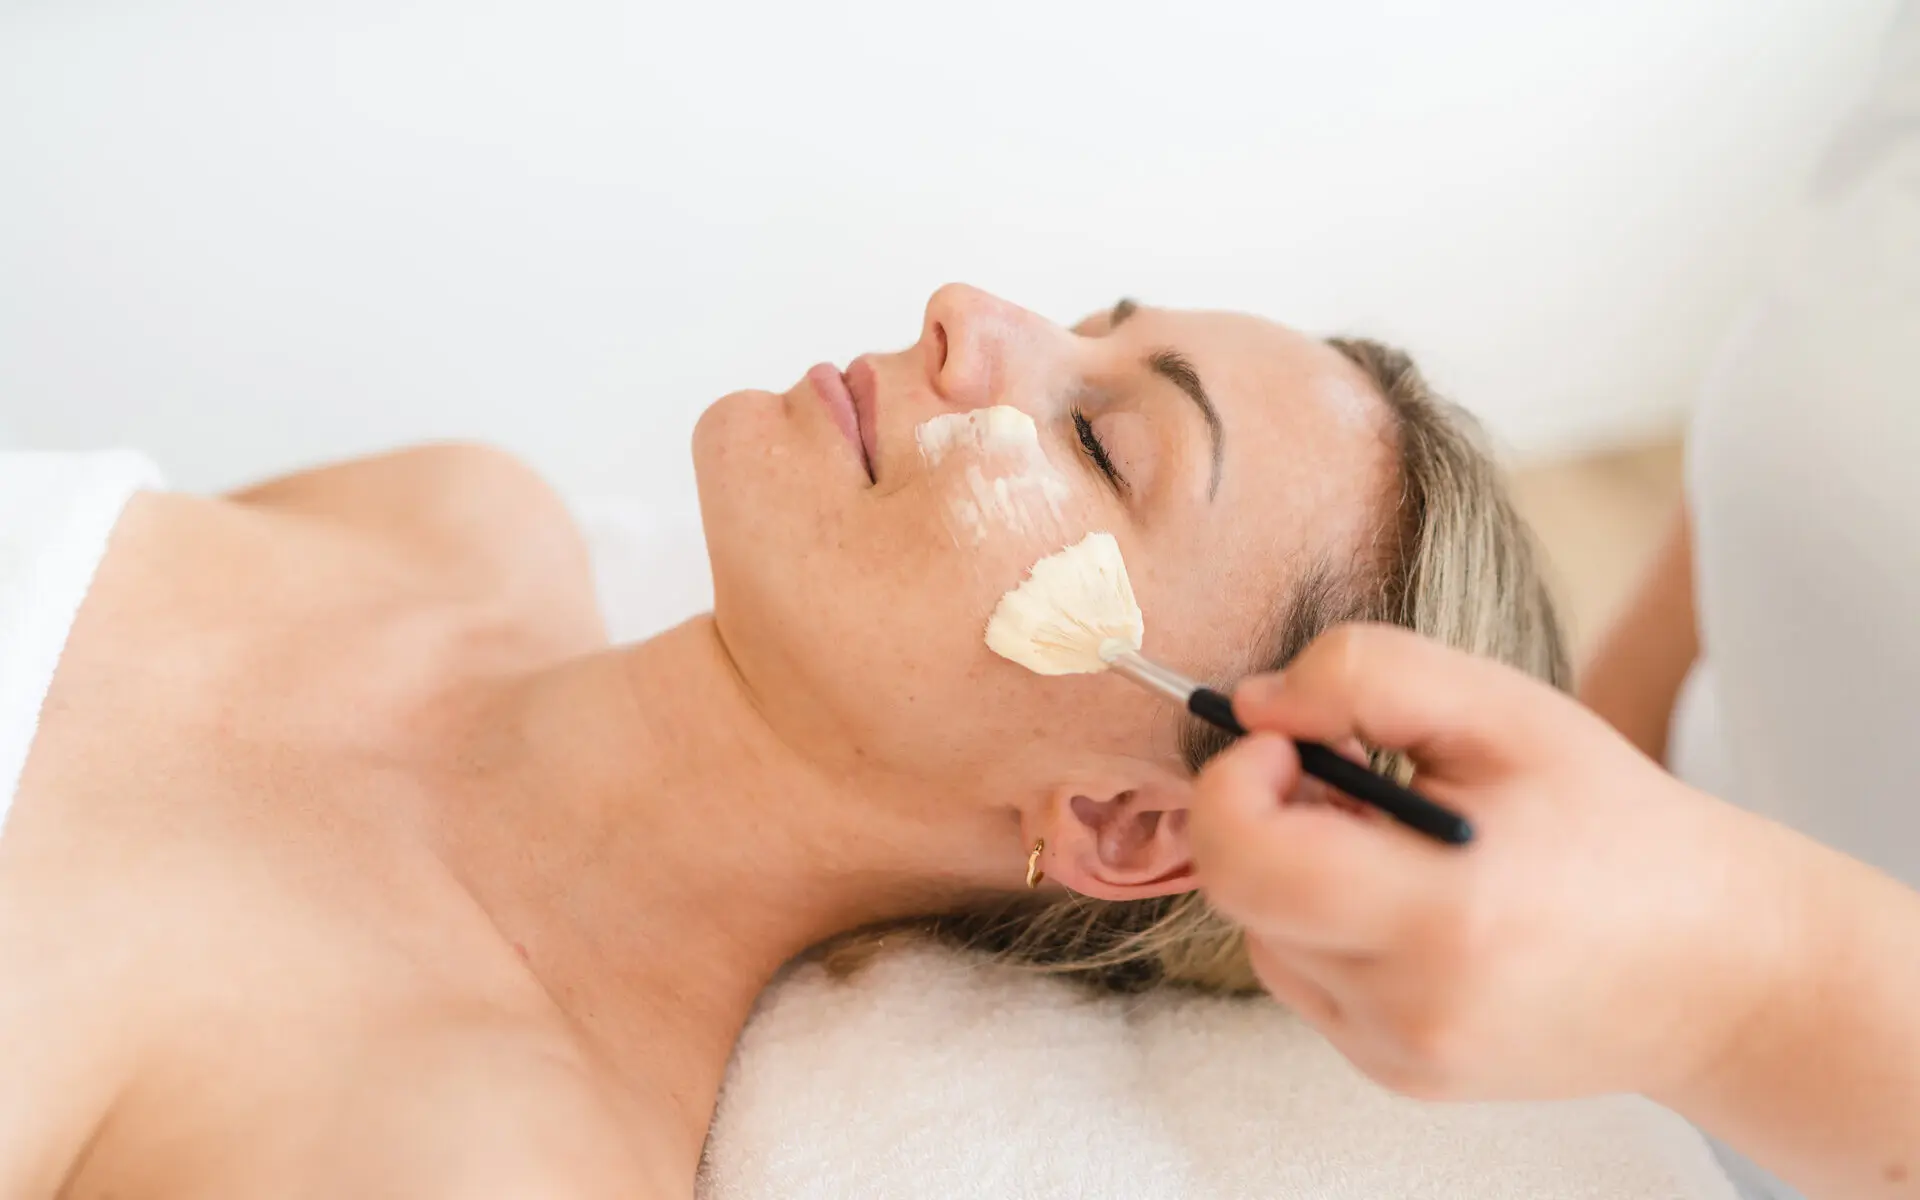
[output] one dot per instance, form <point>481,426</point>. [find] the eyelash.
<point>1096,451</point>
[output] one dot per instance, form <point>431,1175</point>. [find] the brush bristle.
<point>1070,603</point>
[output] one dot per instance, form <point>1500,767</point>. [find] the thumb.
<point>1305,874</point>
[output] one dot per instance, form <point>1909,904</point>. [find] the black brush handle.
<point>1403,804</point>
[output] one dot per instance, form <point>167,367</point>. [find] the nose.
<point>978,347</point>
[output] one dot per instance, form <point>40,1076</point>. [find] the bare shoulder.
<point>459,498</point>
<point>471,1104</point>
<point>63,1048</point>
<point>249,1036</point>
<point>473,512</point>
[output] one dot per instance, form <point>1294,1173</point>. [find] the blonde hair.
<point>1458,565</point>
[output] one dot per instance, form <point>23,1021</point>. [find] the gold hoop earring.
<point>1034,873</point>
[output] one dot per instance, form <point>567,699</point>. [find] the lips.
<point>833,391</point>
<point>865,387</point>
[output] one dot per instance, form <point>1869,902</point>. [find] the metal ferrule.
<point>1153,676</point>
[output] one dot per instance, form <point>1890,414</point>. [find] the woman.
<point>348,857</point>
<point>1616,929</point>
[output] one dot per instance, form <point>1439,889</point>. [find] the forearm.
<point>1821,1084</point>
<point>1636,674</point>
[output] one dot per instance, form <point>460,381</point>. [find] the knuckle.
<point>1272,976</point>
<point>1388,1066</point>
<point>1434,1040</point>
<point>1356,652</point>
<point>1415,1084</point>
<point>1393,1075</point>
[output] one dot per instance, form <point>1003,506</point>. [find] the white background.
<point>248,236</point>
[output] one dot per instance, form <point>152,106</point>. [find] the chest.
<point>303,1003</point>
<point>454,1103</point>
<point>239,943</point>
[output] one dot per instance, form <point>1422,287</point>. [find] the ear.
<point>1122,840</point>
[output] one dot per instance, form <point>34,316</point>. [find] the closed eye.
<point>1097,451</point>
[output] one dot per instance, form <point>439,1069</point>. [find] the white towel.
<point>56,513</point>
<point>933,1074</point>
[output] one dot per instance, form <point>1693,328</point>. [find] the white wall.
<point>246,236</point>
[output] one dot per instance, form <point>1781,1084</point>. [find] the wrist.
<point>1760,964</point>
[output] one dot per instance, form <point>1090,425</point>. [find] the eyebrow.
<point>1177,369</point>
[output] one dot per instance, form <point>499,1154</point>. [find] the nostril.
<point>939,346</point>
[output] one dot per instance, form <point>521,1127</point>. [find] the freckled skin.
<point>350,859</point>
<point>1216,568</point>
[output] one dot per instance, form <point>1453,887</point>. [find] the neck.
<point>659,851</point>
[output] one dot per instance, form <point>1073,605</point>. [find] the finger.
<point>1326,793</point>
<point>1390,1024</point>
<point>1392,688</point>
<point>1309,875</point>
<point>1290,980</point>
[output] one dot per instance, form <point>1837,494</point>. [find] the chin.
<point>735,449</point>
<point>758,506</point>
<point>733,422</point>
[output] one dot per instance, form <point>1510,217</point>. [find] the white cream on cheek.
<point>1008,482</point>
<point>1072,600</point>
<point>1000,427</point>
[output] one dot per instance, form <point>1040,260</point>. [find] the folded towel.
<point>56,512</point>
<point>931,1073</point>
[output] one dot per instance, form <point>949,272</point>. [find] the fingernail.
<point>1264,782</point>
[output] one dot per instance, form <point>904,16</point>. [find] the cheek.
<point>929,695</point>
<point>867,609</point>
<point>990,529</point>
<point>985,500</point>
<point>1206,615</point>
<point>946,549</point>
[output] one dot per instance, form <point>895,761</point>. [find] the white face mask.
<point>1007,485</point>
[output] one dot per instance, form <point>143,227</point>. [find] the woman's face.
<point>853,577</point>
